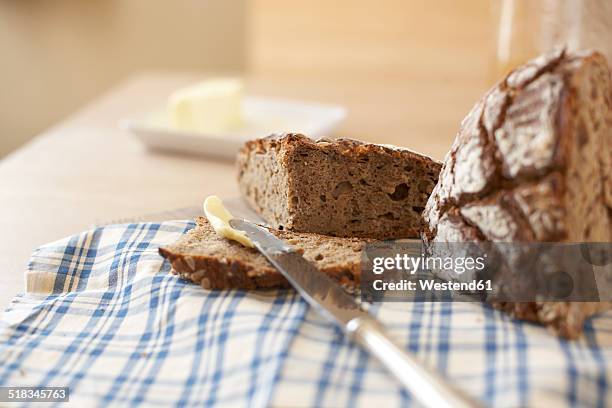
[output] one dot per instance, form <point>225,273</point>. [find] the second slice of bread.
<point>343,187</point>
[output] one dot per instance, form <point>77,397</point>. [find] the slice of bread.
<point>217,263</point>
<point>343,187</point>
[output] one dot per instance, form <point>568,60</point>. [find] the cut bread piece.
<point>217,263</point>
<point>342,187</point>
<point>532,163</point>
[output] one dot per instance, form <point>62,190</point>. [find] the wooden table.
<point>85,170</point>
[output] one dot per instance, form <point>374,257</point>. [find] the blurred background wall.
<point>414,65</point>
<point>361,38</point>
<point>55,55</point>
<point>414,55</point>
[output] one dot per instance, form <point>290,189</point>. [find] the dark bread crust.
<point>531,162</point>
<point>339,187</point>
<point>216,263</point>
<point>490,162</point>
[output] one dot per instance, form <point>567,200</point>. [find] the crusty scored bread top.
<point>532,161</point>
<point>217,263</point>
<point>339,187</point>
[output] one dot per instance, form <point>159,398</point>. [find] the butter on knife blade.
<point>219,218</point>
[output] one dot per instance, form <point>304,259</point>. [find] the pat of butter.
<point>219,218</point>
<point>211,106</point>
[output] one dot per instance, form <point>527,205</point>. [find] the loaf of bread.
<point>343,188</point>
<point>532,162</point>
<point>217,263</point>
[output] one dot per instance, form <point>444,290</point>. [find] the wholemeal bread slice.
<point>532,162</point>
<point>343,187</point>
<point>217,263</point>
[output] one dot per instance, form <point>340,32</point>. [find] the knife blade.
<point>329,299</point>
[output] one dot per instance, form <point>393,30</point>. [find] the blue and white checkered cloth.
<point>103,316</point>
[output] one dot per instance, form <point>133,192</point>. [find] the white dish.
<point>262,117</point>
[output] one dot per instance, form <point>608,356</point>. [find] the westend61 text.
<point>433,285</point>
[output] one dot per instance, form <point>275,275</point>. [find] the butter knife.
<point>330,300</point>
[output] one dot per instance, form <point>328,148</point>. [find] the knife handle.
<point>425,386</point>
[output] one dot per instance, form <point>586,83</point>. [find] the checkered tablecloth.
<point>103,316</point>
